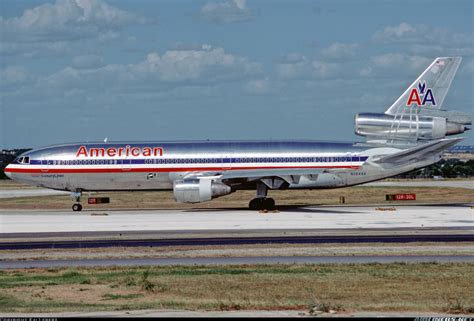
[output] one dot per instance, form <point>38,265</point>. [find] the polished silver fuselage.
<point>335,164</point>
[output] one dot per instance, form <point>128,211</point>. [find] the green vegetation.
<point>109,296</point>
<point>7,156</point>
<point>428,287</point>
<point>450,168</point>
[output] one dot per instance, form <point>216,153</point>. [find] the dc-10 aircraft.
<point>410,135</point>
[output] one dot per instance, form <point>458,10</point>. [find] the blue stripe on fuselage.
<point>159,161</point>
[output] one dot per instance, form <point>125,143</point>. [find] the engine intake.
<point>198,190</point>
<point>407,127</point>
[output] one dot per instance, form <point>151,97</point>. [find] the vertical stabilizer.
<point>429,90</point>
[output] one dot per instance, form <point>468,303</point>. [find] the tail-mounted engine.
<point>408,127</point>
<point>198,190</point>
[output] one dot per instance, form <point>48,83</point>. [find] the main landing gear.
<point>76,196</point>
<point>261,202</point>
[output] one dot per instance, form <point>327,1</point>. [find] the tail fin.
<point>429,89</point>
<point>416,115</point>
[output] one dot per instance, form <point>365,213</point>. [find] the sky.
<point>142,70</point>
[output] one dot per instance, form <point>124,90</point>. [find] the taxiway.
<point>322,217</point>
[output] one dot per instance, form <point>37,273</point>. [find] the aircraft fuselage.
<point>156,165</point>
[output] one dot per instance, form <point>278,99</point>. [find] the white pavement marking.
<point>183,220</point>
<point>457,184</point>
<point>30,192</point>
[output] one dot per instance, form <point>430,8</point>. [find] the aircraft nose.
<point>7,172</point>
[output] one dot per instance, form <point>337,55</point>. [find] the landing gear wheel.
<point>255,204</point>
<point>269,204</point>
<point>262,203</point>
<point>77,207</point>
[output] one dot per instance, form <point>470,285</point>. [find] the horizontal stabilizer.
<point>419,152</point>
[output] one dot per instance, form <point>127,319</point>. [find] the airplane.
<point>410,134</point>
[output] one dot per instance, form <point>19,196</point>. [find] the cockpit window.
<point>23,160</point>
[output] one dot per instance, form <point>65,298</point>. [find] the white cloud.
<point>87,61</point>
<point>422,34</point>
<point>300,67</point>
<point>34,49</point>
<point>296,66</point>
<point>206,64</point>
<point>390,34</point>
<point>226,12</point>
<point>173,68</point>
<point>64,21</point>
<point>399,62</point>
<point>441,50</point>
<point>340,50</point>
<point>258,87</point>
<point>14,77</point>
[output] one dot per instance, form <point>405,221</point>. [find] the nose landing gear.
<point>76,196</point>
<point>77,207</point>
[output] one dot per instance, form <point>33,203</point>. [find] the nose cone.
<point>7,172</point>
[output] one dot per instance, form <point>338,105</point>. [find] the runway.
<point>32,229</point>
<point>235,261</point>
<point>211,239</point>
<point>319,217</point>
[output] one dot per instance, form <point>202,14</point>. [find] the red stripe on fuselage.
<point>141,170</point>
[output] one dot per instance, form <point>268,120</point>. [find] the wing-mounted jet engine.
<point>416,115</point>
<point>199,190</point>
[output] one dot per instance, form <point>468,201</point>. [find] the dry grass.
<point>247,250</point>
<point>164,199</point>
<point>428,287</point>
<point>6,184</point>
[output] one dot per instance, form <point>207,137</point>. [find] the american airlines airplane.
<point>410,135</point>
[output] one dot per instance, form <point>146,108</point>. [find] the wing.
<point>279,178</point>
<point>419,152</point>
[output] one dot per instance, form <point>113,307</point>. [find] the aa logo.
<point>421,95</point>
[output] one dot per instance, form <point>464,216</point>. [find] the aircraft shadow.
<point>281,209</point>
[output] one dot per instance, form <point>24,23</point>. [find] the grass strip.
<point>423,287</point>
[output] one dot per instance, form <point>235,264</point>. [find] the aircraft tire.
<point>269,204</point>
<point>77,207</point>
<point>255,204</point>
<point>262,204</point>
